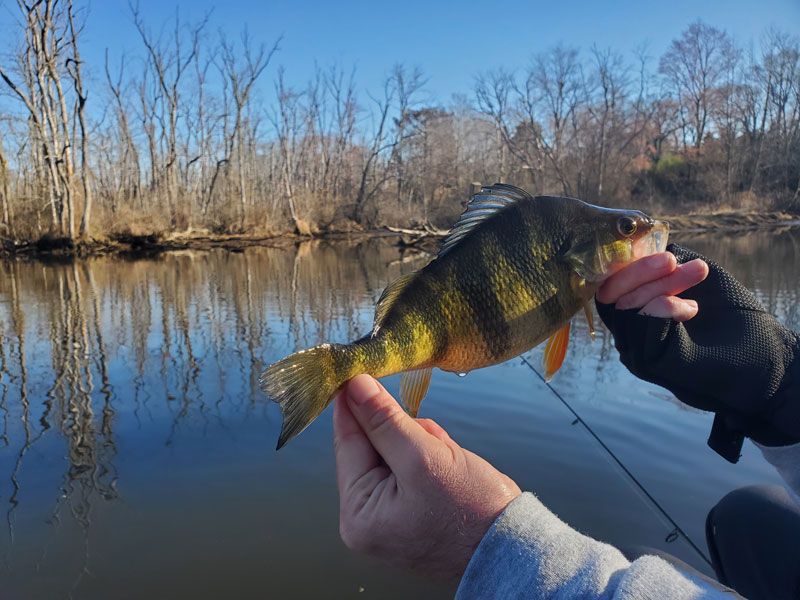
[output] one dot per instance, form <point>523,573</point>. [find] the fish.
<point>511,274</point>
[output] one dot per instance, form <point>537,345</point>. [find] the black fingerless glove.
<point>733,358</point>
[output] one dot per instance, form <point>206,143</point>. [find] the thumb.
<point>397,437</point>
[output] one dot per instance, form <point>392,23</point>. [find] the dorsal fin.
<point>482,206</point>
<point>388,298</point>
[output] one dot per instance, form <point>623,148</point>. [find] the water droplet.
<point>462,374</point>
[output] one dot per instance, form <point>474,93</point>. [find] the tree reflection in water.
<point>172,345</point>
<point>182,336</point>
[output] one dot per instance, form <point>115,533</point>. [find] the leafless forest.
<point>186,133</point>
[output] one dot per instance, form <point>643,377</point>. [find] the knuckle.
<point>432,466</point>
<point>432,427</point>
<point>630,300</point>
<point>669,304</point>
<point>421,463</point>
<point>670,301</point>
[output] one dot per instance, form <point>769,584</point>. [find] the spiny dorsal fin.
<point>388,298</point>
<point>482,206</point>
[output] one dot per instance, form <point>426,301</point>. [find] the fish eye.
<point>626,226</point>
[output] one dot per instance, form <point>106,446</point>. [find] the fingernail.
<point>361,388</point>
<point>658,261</point>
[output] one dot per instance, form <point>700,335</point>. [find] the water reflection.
<point>105,360</point>
<point>183,336</point>
<point>766,261</point>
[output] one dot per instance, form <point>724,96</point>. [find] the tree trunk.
<point>77,81</point>
<point>4,200</point>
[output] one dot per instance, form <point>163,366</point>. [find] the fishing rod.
<point>677,529</point>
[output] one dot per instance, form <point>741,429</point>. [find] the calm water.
<point>137,453</point>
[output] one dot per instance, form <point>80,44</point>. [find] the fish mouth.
<point>627,251</point>
<point>653,241</point>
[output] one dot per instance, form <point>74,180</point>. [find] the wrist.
<point>525,546</point>
<point>474,524</point>
<point>783,416</point>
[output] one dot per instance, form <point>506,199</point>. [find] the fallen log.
<point>426,231</point>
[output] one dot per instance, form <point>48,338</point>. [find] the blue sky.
<point>450,41</point>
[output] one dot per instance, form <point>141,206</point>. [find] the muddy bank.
<point>143,244</point>
<point>425,240</point>
<point>690,223</point>
<point>731,221</point>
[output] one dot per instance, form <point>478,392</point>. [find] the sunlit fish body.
<point>511,274</point>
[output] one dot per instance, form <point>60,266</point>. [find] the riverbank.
<point>426,240</point>
<point>730,221</point>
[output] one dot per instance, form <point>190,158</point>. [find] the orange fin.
<point>413,387</point>
<point>555,351</point>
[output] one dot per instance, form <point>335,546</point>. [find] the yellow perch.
<point>511,274</point>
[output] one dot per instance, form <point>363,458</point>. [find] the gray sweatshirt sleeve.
<point>530,553</point>
<point>786,460</point>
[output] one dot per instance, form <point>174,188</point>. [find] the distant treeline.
<point>179,135</point>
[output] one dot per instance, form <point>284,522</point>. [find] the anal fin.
<point>555,351</point>
<point>413,387</point>
<point>587,310</point>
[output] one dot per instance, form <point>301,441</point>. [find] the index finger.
<point>355,455</point>
<point>636,274</point>
<point>681,279</point>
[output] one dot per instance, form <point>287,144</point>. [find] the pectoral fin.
<point>587,310</point>
<point>413,387</point>
<point>555,351</point>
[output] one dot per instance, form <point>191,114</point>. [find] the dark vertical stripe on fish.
<point>553,310</point>
<point>342,361</point>
<point>437,326</point>
<point>481,298</point>
<point>378,356</point>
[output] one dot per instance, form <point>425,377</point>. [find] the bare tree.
<point>42,94</point>
<point>183,133</point>
<point>288,121</point>
<point>610,84</point>
<point>553,87</point>
<point>74,62</point>
<point>399,90</point>
<point>169,60</point>
<point>493,95</point>
<point>130,167</point>
<point>241,76</point>
<point>4,188</point>
<point>696,65</point>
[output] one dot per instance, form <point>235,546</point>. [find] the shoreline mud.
<point>426,240</point>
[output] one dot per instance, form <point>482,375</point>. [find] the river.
<point>137,452</point>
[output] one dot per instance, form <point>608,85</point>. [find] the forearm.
<point>530,553</point>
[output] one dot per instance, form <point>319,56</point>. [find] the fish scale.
<point>512,273</point>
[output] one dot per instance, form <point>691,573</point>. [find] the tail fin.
<point>303,384</point>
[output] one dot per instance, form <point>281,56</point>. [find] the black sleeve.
<point>733,358</point>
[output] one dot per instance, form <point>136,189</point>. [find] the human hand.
<point>652,285</point>
<point>409,494</point>
<point>692,328</point>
